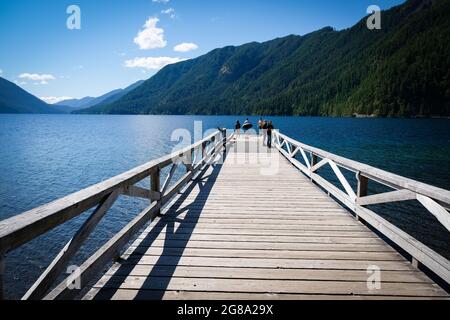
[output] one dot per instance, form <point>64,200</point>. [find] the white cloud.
<point>1,71</point>
<point>53,100</point>
<point>161,1</point>
<point>151,37</point>
<point>37,77</point>
<point>151,63</point>
<point>185,47</point>
<point>170,12</point>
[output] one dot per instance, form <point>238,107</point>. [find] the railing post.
<point>224,137</point>
<point>155,183</point>
<point>2,276</point>
<point>362,185</point>
<point>224,142</point>
<point>203,152</point>
<point>415,262</point>
<point>362,189</point>
<point>314,161</point>
<point>187,160</point>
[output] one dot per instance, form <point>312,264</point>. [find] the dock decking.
<point>241,233</point>
<point>242,222</point>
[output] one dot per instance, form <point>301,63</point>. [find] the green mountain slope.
<point>115,95</point>
<point>400,70</point>
<point>14,99</point>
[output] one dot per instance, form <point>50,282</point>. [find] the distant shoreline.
<point>355,116</point>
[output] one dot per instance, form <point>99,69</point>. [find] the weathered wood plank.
<point>130,294</point>
<point>138,192</point>
<point>264,273</point>
<point>269,263</point>
<point>272,286</point>
<point>263,227</point>
<point>264,238</point>
<point>261,232</point>
<point>436,210</point>
<point>299,223</point>
<point>269,254</point>
<point>169,178</point>
<point>267,245</point>
<point>399,195</point>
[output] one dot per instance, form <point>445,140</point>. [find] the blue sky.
<point>122,41</point>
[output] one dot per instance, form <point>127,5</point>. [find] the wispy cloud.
<point>151,63</point>
<point>185,47</point>
<point>170,12</point>
<point>37,77</point>
<point>53,100</point>
<point>151,37</point>
<point>161,1</point>
<point>1,71</point>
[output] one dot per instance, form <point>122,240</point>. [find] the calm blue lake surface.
<point>45,157</point>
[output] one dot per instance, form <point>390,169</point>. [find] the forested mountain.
<point>14,99</point>
<point>109,97</point>
<point>401,70</point>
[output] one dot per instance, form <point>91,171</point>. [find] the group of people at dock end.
<point>265,128</point>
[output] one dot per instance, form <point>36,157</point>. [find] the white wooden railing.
<point>20,229</point>
<point>435,200</point>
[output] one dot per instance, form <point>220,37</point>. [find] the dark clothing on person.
<point>247,125</point>
<point>269,135</point>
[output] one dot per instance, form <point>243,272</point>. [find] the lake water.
<point>45,157</point>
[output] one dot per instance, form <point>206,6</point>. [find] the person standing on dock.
<point>270,128</point>
<point>237,129</point>
<point>264,129</point>
<point>247,125</point>
<point>260,126</point>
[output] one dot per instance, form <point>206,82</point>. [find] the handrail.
<point>434,199</point>
<point>379,175</point>
<point>20,229</point>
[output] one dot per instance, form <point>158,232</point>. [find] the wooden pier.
<point>244,222</point>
